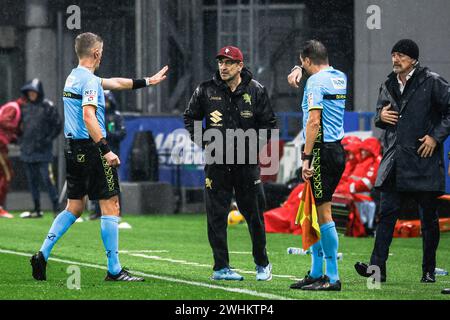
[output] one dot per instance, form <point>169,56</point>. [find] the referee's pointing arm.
<point>89,110</point>
<point>127,84</point>
<point>117,84</point>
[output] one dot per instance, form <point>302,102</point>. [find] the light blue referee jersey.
<point>82,88</point>
<point>326,91</point>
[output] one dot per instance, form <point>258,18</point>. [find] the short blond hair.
<point>85,42</point>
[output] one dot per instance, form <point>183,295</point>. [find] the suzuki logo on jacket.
<point>216,117</point>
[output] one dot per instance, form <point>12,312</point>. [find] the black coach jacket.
<point>248,107</point>
<point>423,109</point>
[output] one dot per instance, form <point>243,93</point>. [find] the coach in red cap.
<point>232,53</point>
<point>232,100</point>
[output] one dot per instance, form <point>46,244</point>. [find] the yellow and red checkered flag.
<point>307,218</point>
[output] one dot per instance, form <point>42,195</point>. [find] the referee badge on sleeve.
<point>81,158</point>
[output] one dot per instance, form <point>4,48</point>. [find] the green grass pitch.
<point>174,255</point>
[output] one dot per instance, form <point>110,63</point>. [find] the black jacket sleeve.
<point>441,101</point>
<point>381,103</point>
<point>55,123</point>
<point>195,112</point>
<point>265,117</point>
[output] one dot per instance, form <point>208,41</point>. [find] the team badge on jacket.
<point>247,98</point>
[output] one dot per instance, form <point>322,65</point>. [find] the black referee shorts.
<point>328,164</point>
<point>88,173</point>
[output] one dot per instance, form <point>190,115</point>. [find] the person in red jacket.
<point>282,219</point>
<point>364,175</point>
<point>9,125</point>
<point>351,146</point>
<point>361,181</point>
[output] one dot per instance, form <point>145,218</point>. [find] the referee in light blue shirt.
<point>323,156</point>
<point>90,163</point>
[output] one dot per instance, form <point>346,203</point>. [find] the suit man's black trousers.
<point>221,180</point>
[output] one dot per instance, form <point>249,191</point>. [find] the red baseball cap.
<point>231,52</point>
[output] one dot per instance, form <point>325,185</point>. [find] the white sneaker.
<point>226,274</point>
<point>79,220</point>
<point>264,273</point>
<point>124,225</point>
<point>31,215</point>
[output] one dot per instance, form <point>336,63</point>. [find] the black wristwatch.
<point>307,156</point>
<point>448,155</point>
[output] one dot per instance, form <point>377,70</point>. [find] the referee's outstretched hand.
<point>159,77</point>
<point>112,159</point>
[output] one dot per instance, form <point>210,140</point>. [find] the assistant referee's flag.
<point>307,218</point>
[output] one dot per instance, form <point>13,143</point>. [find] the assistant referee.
<point>323,156</point>
<point>90,164</point>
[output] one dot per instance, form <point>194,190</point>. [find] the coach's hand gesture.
<point>294,78</point>
<point>427,148</point>
<point>159,77</point>
<point>112,159</point>
<point>389,116</point>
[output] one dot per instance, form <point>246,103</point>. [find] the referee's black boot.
<point>323,284</point>
<point>124,275</point>
<point>362,269</point>
<point>428,277</point>
<point>307,280</point>
<point>39,266</point>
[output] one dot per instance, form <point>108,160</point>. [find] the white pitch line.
<point>169,260</point>
<point>143,251</point>
<point>241,252</point>
<point>195,264</point>
<point>247,252</point>
<point>169,279</point>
